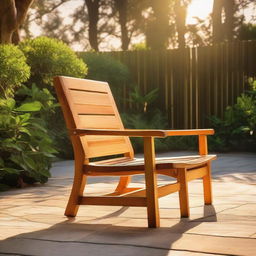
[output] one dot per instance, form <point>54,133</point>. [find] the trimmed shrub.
<point>13,69</point>
<point>50,57</point>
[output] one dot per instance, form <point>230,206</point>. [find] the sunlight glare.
<point>200,9</point>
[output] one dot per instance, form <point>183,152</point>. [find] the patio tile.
<point>245,210</point>
<point>32,220</point>
<point>169,238</point>
<point>46,248</point>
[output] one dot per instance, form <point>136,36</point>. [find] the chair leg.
<point>151,183</point>
<point>207,186</point>
<point>77,191</point>
<point>183,192</point>
<point>123,183</point>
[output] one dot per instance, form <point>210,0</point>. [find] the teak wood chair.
<point>96,130</point>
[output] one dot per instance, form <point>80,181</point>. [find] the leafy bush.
<point>237,130</point>
<point>50,57</point>
<point>25,146</point>
<point>13,69</point>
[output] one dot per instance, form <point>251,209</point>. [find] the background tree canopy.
<point>94,23</point>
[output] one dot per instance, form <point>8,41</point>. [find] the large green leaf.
<point>10,170</point>
<point>30,107</point>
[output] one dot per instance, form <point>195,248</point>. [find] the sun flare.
<point>200,9</point>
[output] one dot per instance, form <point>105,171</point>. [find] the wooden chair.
<point>96,130</point>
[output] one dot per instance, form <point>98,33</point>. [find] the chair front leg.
<point>151,183</point>
<point>207,183</point>
<point>77,190</point>
<point>183,192</point>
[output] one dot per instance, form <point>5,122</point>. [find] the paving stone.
<point>32,220</point>
<point>46,248</point>
<point>245,210</point>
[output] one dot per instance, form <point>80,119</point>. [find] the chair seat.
<point>137,164</point>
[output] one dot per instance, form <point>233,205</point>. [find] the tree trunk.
<point>180,18</point>
<point>93,14</point>
<point>12,16</point>
<point>121,6</point>
<point>7,20</point>
<point>157,32</point>
<point>229,7</point>
<point>217,28</point>
<point>223,30</point>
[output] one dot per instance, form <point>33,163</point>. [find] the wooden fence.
<point>194,83</point>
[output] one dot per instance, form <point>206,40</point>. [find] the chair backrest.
<point>89,104</point>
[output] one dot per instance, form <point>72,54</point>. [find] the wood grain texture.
<point>203,148</point>
<point>207,183</point>
<point>96,130</point>
<point>183,193</point>
<point>141,132</point>
<point>90,98</point>
<point>151,183</point>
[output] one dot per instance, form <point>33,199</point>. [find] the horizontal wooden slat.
<point>99,143</point>
<point>161,191</point>
<point>163,163</point>
<point>104,139</point>
<point>167,172</point>
<point>82,97</point>
<point>189,132</point>
<point>193,162</point>
<point>124,191</point>
<point>94,109</point>
<point>196,174</point>
<point>114,201</point>
<point>84,84</point>
<point>97,121</point>
<point>108,173</point>
<point>144,132</point>
<point>104,148</point>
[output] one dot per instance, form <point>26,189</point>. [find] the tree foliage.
<point>95,24</point>
<point>12,72</point>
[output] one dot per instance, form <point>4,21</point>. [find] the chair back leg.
<point>123,183</point>
<point>207,183</point>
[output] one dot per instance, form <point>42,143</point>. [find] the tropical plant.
<point>139,101</point>
<point>26,148</point>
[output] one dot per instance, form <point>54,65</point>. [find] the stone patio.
<point>32,220</point>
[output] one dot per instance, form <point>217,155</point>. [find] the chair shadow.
<point>70,233</point>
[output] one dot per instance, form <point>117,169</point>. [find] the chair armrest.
<point>141,133</point>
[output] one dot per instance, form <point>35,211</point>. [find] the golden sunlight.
<point>200,9</point>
